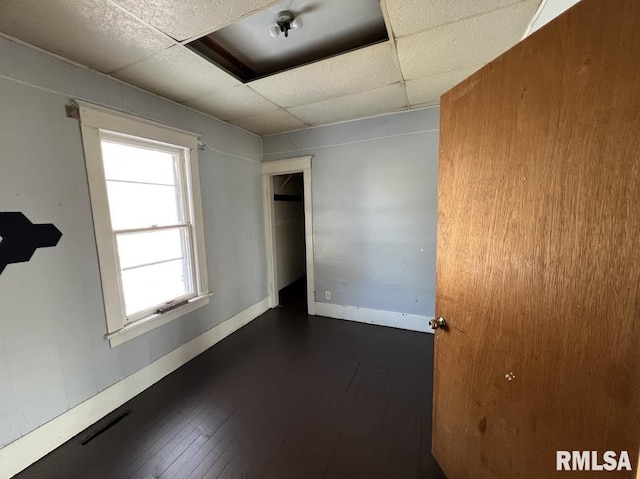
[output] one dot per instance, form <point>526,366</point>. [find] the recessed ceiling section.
<point>247,50</point>
<point>338,64</point>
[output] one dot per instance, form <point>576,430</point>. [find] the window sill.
<point>153,321</point>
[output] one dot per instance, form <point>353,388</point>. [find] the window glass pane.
<point>136,249</point>
<point>131,163</point>
<point>137,205</point>
<point>150,286</point>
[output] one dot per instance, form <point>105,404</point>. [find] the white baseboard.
<point>412,322</point>
<point>23,452</point>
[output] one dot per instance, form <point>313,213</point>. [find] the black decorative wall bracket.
<point>21,238</point>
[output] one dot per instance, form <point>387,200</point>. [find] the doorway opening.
<point>288,209</point>
<point>289,233</point>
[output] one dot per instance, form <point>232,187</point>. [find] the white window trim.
<point>93,120</point>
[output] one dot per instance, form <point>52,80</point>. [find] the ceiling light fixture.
<point>285,22</point>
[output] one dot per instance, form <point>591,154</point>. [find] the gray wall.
<point>52,352</point>
<point>374,208</point>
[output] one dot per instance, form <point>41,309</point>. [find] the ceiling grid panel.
<point>412,16</point>
<point>394,46</point>
<point>387,99</point>
<point>358,70</point>
<point>432,45</point>
<point>94,33</point>
<point>426,91</point>
<point>238,102</point>
<point>270,123</point>
<point>185,20</point>
<point>471,41</point>
<point>179,74</point>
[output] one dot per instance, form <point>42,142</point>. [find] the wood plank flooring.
<point>287,396</point>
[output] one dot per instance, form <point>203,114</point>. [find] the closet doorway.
<point>289,231</point>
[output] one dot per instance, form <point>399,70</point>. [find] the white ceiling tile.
<point>95,33</point>
<point>179,74</point>
<point>381,100</point>
<point>427,91</point>
<point>356,71</point>
<point>239,102</point>
<point>471,41</point>
<point>412,16</point>
<point>186,19</point>
<point>270,123</point>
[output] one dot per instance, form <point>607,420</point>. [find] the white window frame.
<point>98,122</point>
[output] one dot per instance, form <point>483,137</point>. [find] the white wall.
<point>290,234</point>
<point>550,10</point>
<point>52,352</point>
<point>374,209</point>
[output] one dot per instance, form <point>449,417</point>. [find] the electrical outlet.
<point>327,295</point>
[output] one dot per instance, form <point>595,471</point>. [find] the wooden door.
<point>538,269</point>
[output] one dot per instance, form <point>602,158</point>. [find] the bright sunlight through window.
<point>147,215</point>
<point>150,223</point>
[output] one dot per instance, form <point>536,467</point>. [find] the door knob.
<point>438,323</point>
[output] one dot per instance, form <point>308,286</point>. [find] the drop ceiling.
<point>331,27</point>
<point>433,44</point>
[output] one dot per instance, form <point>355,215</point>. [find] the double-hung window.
<point>147,217</point>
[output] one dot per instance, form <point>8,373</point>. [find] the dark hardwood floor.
<point>287,396</point>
